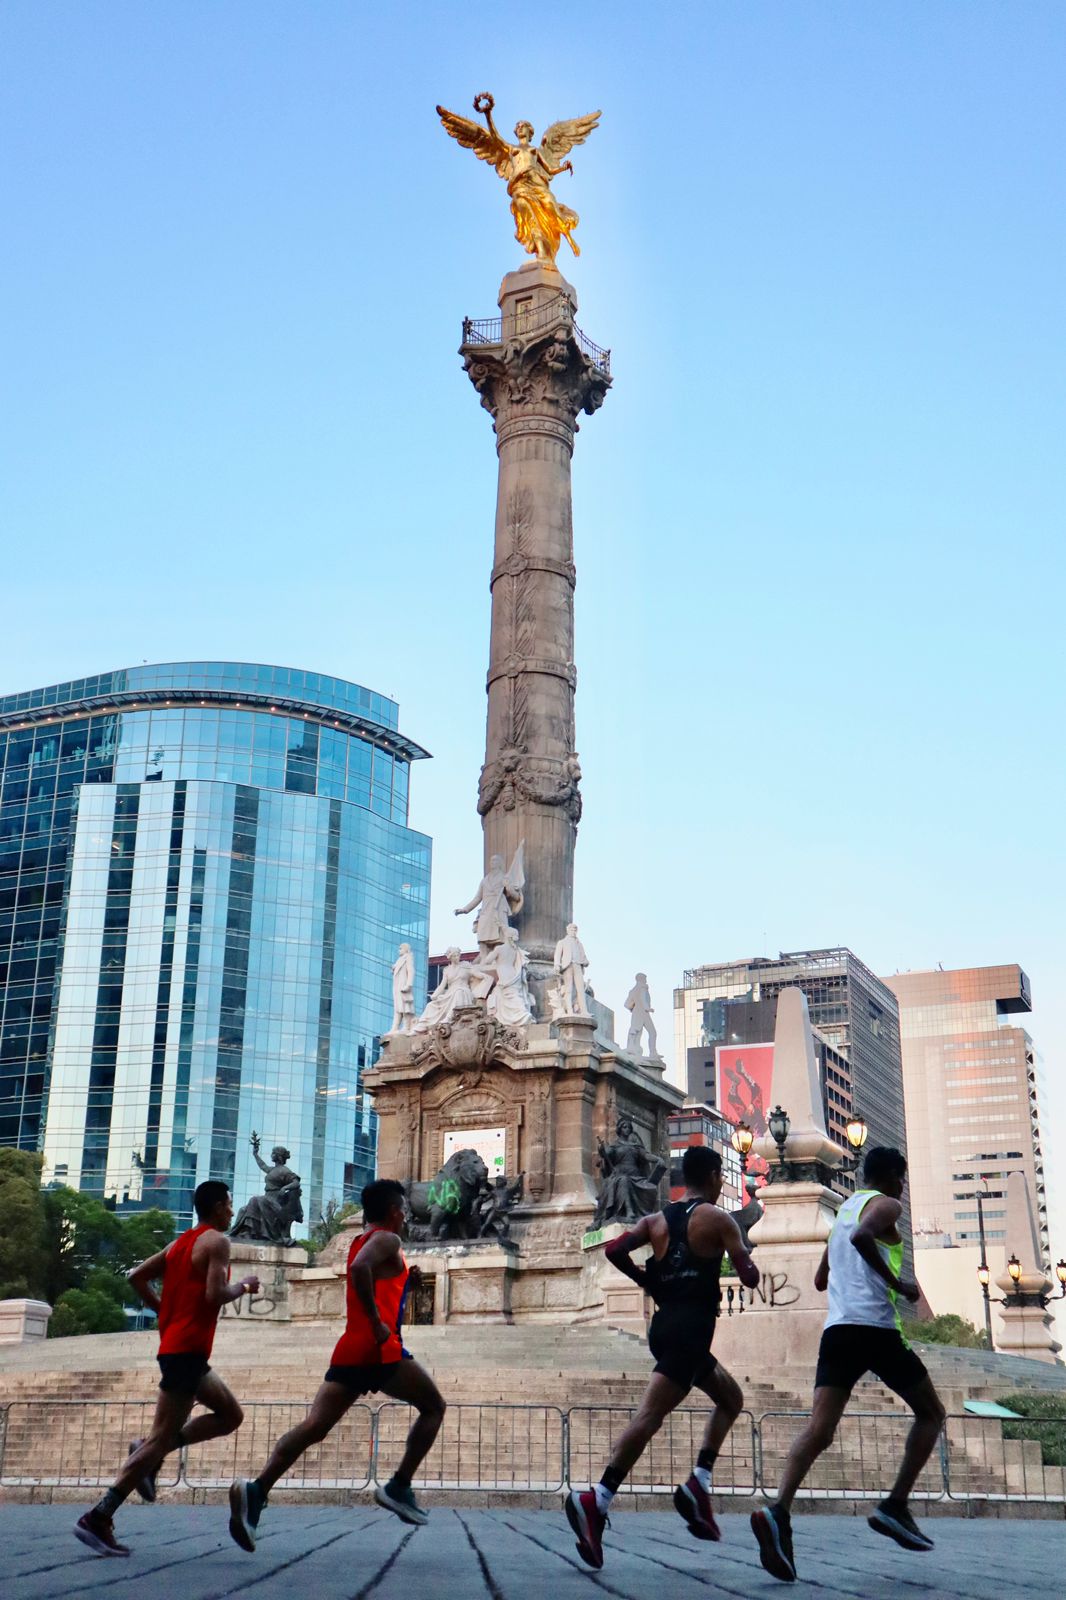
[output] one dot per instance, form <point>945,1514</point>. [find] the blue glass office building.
<point>205,873</point>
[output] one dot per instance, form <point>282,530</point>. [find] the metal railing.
<point>530,1448</point>
<point>489,330</point>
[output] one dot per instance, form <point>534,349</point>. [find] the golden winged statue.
<point>541,221</point>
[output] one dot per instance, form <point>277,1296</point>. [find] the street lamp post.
<point>857,1134</point>
<point>983,1272</point>
<point>742,1140</point>
<point>1060,1273</point>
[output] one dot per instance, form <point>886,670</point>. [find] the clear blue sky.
<point>819,521</point>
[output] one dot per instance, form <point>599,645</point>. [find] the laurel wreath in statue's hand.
<point>483,103</point>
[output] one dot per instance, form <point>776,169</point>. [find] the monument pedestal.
<point>554,1092</point>
<point>276,1266</point>
<point>782,1324</point>
<point>471,1281</point>
<point>23,1319</point>
<point>1025,1328</point>
<point>625,1305</point>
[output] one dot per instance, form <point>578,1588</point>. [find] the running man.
<point>195,1273</point>
<point>688,1239</point>
<point>861,1267</point>
<point>369,1357</point>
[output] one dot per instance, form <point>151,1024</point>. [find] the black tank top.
<point>681,1277</point>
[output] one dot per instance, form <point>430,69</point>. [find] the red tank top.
<point>186,1321</point>
<point>357,1346</point>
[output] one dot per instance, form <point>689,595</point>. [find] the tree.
<point>23,1231</point>
<point>86,1311</point>
<point>82,1233</point>
<point>143,1234</point>
<point>948,1329</point>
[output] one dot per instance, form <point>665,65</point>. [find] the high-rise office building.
<point>973,1087</point>
<point>723,1012</point>
<point>205,872</point>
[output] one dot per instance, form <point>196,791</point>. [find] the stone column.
<point>534,374</point>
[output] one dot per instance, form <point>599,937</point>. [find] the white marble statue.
<point>403,991</point>
<point>500,897</point>
<point>553,994</point>
<point>570,963</point>
<point>639,1006</point>
<point>452,992</point>
<point>509,1000</point>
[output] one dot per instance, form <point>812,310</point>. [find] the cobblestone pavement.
<point>333,1553</point>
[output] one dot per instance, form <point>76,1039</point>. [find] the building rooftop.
<point>244,684</point>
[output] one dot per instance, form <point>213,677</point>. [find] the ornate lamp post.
<point>1013,1296</point>
<point>857,1134</point>
<point>742,1140</point>
<point>778,1123</point>
<point>1060,1273</point>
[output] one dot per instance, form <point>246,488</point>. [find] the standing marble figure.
<point>403,991</point>
<point>499,897</point>
<point>509,999</point>
<point>638,1004</point>
<point>570,964</point>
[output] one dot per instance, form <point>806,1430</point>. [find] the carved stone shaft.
<point>534,382</point>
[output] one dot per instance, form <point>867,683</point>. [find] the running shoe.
<point>246,1502</point>
<point>694,1504</point>
<point>98,1532</point>
<point>773,1531</point>
<point>588,1522</point>
<point>400,1498</point>
<point>145,1485</point>
<point>896,1522</point>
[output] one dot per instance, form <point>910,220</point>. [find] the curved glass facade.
<point>205,872</point>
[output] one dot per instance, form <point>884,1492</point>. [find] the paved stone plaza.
<point>332,1553</point>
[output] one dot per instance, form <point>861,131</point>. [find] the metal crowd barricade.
<point>343,1460</point>
<point>669,1458</point>
<point>861,1462</point>
<point>82,1443</point>
<point>480,1446</point>
<point>74,1443</point>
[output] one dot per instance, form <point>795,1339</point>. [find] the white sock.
<point>604,1496</point>
<point>702,1476</point>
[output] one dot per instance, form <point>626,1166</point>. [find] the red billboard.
<point>744,1085</point>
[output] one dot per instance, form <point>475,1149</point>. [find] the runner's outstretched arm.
<point>619,1250</point>
<point>739,1255</point>
<point>821,1275</point>
<point>142,1277</point>
<point>217,1292</point>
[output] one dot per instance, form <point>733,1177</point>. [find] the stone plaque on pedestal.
<point>275,1265</point>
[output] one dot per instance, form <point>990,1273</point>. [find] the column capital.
<point>541,378</point>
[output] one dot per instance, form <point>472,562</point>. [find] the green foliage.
<point>948,1329</point>
<point>23,1241</point>
<point>328,1224</point>
<point>82,1232</point>
<point>70,1249</point>
<point>1049,1433</point>
<point>86,1311</point>
<point>143,1234</point>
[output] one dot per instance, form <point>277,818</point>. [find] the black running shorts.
<point>679,1338</point>
<point>363,1380</point>
<point>181,1374</point>
<point>851,1349</point>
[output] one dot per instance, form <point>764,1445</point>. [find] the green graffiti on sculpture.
<point>445,1195</point>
